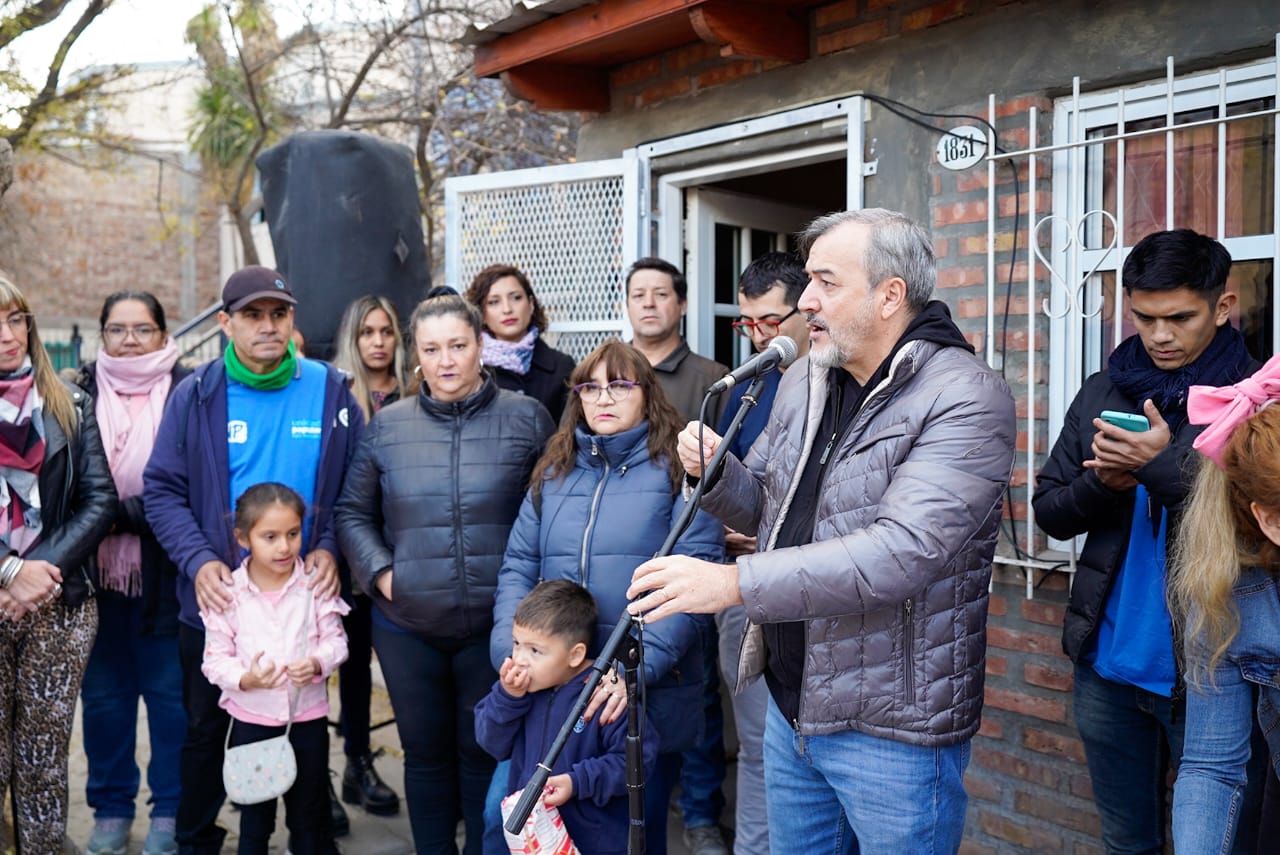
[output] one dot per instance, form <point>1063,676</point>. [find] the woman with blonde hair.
<point>371,352</point>
<point>57,501</point>
<point>1225,592</point>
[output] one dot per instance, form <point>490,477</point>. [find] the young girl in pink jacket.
<point>272,651</point>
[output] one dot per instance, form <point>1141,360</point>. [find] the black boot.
<point>362,786</point>
<point>337,814</point>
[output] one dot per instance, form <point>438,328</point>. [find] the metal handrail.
<point>193,325</point>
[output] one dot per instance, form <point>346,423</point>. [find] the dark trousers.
<point>200,768</point>
<point>355,684</point>
<point>434,687</point>
<point>306,804</point>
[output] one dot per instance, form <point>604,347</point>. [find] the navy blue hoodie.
<point>522,730</point>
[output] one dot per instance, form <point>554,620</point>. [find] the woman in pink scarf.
<point>136,652</point>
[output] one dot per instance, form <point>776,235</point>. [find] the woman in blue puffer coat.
<point>603,497</point>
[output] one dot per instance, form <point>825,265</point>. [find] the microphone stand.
<point>631,660</point>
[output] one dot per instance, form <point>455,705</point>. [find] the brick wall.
<point>70,236</point>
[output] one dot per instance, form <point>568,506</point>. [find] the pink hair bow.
<point>1224,408</point>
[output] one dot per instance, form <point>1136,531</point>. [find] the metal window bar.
<point>1072,267</point>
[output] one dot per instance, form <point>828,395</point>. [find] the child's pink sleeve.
<point>222,665</point>
<point>330,649</point>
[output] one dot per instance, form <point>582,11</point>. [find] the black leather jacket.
<point>79,500</point>
<point>431,494</point>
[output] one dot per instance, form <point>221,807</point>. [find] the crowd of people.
<point>480,509</point>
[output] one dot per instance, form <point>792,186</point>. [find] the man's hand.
<point>213,587</point>
<point>514,678</point>
<point>678,584</point>
<point>263,674</point>
<point>687,448</point>
<point>1115,479</point>
<point>610,698</point>
<point>559,790</point>
<point>1127,450</point>
<point>737,543</point>
<point>322,567</point>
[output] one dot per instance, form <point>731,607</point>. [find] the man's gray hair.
<point>898,247</point>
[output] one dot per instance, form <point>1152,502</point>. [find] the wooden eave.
<point>563,63</point>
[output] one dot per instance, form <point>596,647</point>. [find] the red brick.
<point>953,213</point>
<point>936,14</point>
<point>1039,611</point>
<point>1004,204</point>
<point>972,179</point>
<point>1016,767</point>
<point>941,247</point>
<point>997,666</point>
<point>1022,641</point>
<point>725,73</point>
<point>681,59</point>
<point>1045,742</point>
<point>997,605</point>
<point>1082,847</point>
<point>959,277</point>
<point>1024,704</point>
<point>970,847</point>
<point>990,728</point>
<point>1047,677</point>
<point>977,339</point>
<point>667,89</point>
<point>635,72</point>
<point>1082,786</point>
<point>849,37</point>
<point>982,787</point>
<point>836,13</point>
<point>1019,106</point>
<point>881,4</point>
<point>977,244</point>
<point>1057,812</point>
<point>1023,836</point>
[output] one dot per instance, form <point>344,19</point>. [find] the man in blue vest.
<point>259,413</point>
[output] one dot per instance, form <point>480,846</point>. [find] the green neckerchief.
<point>277,379</point>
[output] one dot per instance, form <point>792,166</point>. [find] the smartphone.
<point>1128,421</point>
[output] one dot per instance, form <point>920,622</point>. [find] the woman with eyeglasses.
<point>136,651</point>
<point>57,501</point>
<point>427,504</point>
<point>601,501</point>
<point>513,347</point>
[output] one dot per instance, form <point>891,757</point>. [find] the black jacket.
<point>78,498</point>
<point>547,380</point>
<point>1070,500</point>
<point>432,493</point>
<point>159,574</point>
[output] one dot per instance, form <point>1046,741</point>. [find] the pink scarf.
<point>128,443</point>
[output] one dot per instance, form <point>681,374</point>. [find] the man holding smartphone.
<point>1122,483</point>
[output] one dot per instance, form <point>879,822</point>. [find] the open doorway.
<point>735,220</point>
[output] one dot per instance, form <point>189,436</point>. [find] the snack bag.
<point>543,833</point>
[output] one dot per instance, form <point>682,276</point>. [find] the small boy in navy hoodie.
<point>536,689</point>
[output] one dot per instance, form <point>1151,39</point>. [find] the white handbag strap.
<point>296,693</point>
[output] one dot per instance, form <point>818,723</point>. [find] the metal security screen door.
<point>573,229</point>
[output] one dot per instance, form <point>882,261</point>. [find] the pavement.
<point>370,835</point>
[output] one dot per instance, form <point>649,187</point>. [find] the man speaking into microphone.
<point>875,494</point>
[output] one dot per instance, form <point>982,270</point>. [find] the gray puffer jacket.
<point>893,588</point>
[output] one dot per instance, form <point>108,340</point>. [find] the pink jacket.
<point>254,623</point>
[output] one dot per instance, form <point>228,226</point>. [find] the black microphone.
<point>780,353</point>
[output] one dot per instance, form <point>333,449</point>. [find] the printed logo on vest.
<point>304,429</point>
<point>237,432</point>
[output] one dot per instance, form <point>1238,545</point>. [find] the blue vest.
<point>275,435</point>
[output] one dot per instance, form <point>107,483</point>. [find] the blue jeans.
<point>751,815</point>
<point>123,666</point>
<point>435,686</point>
<point>849,792</point>
<point>703,769</point>
<point>1130,737</point>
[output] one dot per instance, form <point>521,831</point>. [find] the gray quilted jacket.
<point>893,588</point>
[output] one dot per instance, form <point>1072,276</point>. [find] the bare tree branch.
<point>33,16</point>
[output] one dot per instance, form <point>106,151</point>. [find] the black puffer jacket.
<point>159,575</point>
<point>78,498</point>
<point>1070,500</point>
<point>431,494</point>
